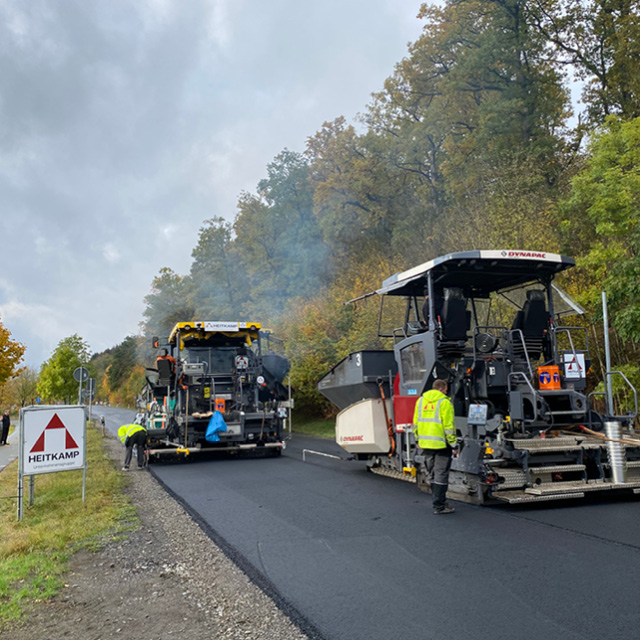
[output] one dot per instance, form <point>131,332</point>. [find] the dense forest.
<point>473,142</point>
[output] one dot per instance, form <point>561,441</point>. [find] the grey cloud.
<point>121,119</point>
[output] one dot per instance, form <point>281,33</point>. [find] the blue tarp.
<point>216,424</point>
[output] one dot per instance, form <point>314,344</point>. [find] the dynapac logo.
<point>353,439</point>
<point>523,254</point>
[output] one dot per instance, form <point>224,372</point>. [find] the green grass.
<point>34,553</point>
<point>314,427</point>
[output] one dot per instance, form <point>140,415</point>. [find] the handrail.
<point>635,393</point>
<point>524,347</point>
<point>568,330</point>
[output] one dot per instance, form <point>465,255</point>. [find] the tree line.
<point>472,143</point>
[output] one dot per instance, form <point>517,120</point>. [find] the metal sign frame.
<point>53,409</point>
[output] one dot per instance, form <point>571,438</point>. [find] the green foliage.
<point>604,204</point>
<point>98,366</point>
<point>601,40</point>
<point>623,399</point>
<point>128,391</point>
<point>56,381</point>
<point>314,427</point>
<point>23,388</point>
<point>123,361</point>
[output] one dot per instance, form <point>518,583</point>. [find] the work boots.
<point>440,504</point>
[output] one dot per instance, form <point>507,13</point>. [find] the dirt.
<point>165,579</point>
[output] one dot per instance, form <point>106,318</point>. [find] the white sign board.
<point>574,366</point>
<point>221,326</point>
<point>52,439</point>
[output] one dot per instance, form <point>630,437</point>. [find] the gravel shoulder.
<point>165,579</point>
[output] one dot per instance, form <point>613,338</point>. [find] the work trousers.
<point>139,440</point>
<point>438,463</point>
<point>5,432</point>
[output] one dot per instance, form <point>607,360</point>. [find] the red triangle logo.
<point>54,423</point>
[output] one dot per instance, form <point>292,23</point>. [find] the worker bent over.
<point>436,436</point>
<point>133,435</point>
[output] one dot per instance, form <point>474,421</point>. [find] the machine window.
<point>413,362</point>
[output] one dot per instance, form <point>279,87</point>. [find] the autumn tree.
<point>123,360</point>
<point>24,386</point>
<point>11,354</point>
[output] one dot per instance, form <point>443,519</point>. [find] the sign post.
<point>52,438</point>
<point>80,375</point>
<point>91,390</point>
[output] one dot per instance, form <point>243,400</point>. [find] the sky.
<point>124,125</point>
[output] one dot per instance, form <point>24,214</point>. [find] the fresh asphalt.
<point>352,555</point>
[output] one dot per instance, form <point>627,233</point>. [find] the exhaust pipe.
<point>616,452</point>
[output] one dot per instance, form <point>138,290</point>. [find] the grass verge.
<point>314,427</point>
<point>34,552</point>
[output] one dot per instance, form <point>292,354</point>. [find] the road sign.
<point>52,439</point>
<point>81,374</point>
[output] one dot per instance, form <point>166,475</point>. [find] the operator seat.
<point>455,318</point>
<point>455,322</point>
<point>165,371</point>
<point>533,321</point>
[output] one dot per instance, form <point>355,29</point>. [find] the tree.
<point>603,206</point>
<point>278,237</point>
<point>353,197</point>
<point>474,107</point>
<point>319,332</point>
<point>11,353</point>
<point>56,376</point>
<point>170,301</point>
<point>123,360</point>
<point>24,386</point>
<point>218,274</point>
<point>600,39</point>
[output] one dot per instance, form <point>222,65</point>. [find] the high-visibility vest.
<point>433,419</point>
<point>127,430</point>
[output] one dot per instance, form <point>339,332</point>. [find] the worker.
<point>164,355</point>
<point>436,436</point>
<point>133,435</point>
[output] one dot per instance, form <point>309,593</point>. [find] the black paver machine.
<point>225,372</point>
<point>494,325</point>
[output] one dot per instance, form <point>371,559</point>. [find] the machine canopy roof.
<point>479,273</point>
<point>202,330</point>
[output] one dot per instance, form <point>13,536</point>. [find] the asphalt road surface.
<point>352,555</point>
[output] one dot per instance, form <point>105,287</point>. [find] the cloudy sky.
<point>124,124</point>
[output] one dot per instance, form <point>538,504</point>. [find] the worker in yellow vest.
<point>435,434</point>
<point>133,435</point>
